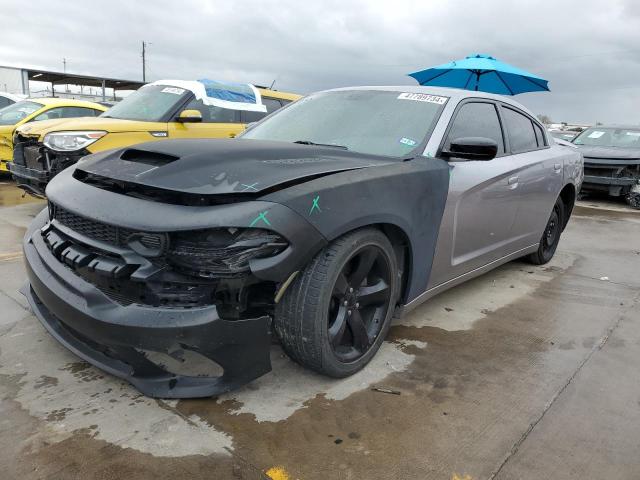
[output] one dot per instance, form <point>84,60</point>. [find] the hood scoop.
<point>148,157</point>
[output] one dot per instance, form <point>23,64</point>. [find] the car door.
<point>483,199</point>
<point>540,178</point>
<point>216,122</point>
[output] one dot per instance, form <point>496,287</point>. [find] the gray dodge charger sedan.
<point>174,264</point>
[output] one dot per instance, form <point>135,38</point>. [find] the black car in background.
<point>612,161</point>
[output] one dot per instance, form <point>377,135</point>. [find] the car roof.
<point>66,102</point>
<point>455,94</point>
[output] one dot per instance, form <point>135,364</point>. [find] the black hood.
<point>218,166</point>
<point>609,153</point>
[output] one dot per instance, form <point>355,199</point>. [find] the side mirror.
<point>189,116</point>
<point>472,148</point>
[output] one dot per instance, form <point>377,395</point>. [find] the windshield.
<point>364,121</point>
<point>14,113</point>
<point>610,137</point>
<point>149,104</point>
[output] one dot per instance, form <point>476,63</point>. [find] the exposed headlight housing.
<point>222,253</point>
<point>71,141</point>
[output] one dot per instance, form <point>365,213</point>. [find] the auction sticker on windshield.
<point>407,141</point>
<point>596,134</point>
<point>174,90</point>
<point>423,97</point>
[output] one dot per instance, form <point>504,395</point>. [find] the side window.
<point>212,114</point>
<point>66,112</point>
<point>72,112</point>
<point>539,135</point>
<point>249,117</point>
<point>522,136</point>
<point>4,102</point>
<point>272,104</point>
<point>49,115</point>
<point>477,119</point>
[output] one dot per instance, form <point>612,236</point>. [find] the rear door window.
<point>539,135</point>
<point>272,105</point>
<point>250,117</point>
<point>213,114</point>
<point>522,136</point>
<point>477,119</point>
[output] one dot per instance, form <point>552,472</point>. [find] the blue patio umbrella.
<point>483,73</point>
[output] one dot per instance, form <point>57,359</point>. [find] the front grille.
<point>93,229</point>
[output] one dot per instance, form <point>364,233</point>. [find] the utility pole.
<point>64,70</point>
<point>144,66</point>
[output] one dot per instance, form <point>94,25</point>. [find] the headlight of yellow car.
<point>71,141</point>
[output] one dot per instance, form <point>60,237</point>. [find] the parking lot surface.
<point>526,372</point>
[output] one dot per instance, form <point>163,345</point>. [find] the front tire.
<point>337,312</point>
<point>550,236</point>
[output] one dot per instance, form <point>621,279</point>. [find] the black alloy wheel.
<point>359,301</point>
<point>336,313</point>
<point>550,236</point>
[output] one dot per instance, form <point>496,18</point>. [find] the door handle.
<point>513,182</point>
<point>557,167</point>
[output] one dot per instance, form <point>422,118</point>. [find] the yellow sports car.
<point>157,111</point>
<point>38,109</point>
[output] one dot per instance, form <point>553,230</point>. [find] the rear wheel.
<point>551,236</point>
<point>335,315</point>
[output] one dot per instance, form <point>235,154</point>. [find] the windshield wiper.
<point>309,142</point>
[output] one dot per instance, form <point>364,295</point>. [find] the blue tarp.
<point>229,92</point>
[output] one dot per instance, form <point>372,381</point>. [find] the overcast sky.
<point>589,50</point>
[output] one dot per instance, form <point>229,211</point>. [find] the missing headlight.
<point>222,253</point>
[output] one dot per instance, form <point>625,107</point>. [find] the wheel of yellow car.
<point>337,312</point>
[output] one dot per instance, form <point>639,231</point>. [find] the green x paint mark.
<point>316,205</point>
<point>249,187</point>
<point>261,216</point>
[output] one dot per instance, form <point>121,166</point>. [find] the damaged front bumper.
<point>615,177</point>
<point>34,165</point>
<point>117,338</point>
